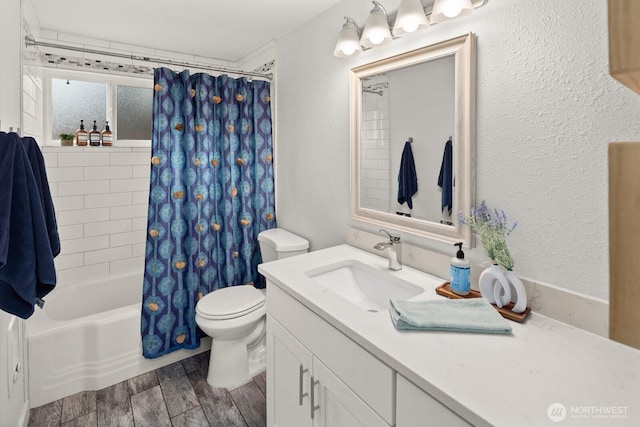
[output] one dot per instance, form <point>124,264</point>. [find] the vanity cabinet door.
<point>289,366</point>
<point>416,408</point>
<point>337,405</point>
<point>292,371</point>
<point>369,378</point>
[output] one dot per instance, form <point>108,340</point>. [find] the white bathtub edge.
<point>132,365</point>
<point>88,338</point>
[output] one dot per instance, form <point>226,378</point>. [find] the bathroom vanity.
<point>335,359</point>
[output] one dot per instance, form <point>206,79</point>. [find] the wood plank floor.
<point>176,395</point>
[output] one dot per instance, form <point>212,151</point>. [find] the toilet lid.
<point>230,302</point>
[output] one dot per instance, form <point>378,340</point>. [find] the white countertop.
<point>499,380</point>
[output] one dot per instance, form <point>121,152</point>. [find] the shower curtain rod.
<point>32,42</point>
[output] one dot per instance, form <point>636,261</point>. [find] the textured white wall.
<point>546,110</point>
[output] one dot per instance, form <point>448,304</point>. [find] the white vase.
<point>498,286</point>
<point>521,294</point>
<point>494,286</point>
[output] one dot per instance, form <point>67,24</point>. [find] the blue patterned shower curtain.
<point>211,193</point>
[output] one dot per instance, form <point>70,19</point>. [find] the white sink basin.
<point>367,287</point>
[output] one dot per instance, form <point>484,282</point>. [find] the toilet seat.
<point>230,303</point>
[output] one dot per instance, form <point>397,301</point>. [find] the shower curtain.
<point>211,193</point>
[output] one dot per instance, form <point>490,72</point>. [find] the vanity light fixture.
<point>449,9</point>
<point>376,30</point>
<point>348,44</point>
<point>410,18</point>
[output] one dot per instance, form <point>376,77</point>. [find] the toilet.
<point>235,318</point>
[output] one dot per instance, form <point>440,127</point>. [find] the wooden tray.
<point>445,290</point>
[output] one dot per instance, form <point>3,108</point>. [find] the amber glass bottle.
<point>94,135</point>
<point>107,136</point>
<point>82,136</point>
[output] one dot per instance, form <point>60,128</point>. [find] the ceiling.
<point>222,29</point>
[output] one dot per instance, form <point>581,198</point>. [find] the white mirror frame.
<point>464,49</point>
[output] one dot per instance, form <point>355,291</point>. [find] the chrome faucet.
<point>393,250</point>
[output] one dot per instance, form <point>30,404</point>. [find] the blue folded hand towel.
<point>457,315</point>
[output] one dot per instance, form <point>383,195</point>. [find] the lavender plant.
<point>492,227</point>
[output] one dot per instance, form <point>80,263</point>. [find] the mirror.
<point>412,120</point>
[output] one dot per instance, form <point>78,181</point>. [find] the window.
<point>125,102</point>
<point>74,100</point>
<point>135,112</point>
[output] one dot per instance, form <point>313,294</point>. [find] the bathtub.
<point>87,337</point>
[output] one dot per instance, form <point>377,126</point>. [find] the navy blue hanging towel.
<point>407,178</point>
<point>445,179</point>
<point>27,271</point>
<point>40,174</point>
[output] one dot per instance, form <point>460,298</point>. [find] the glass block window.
<point>74,100</point>
<point>134,112</point>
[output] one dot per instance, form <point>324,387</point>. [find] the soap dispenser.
<point>107,136</point>
<point>460,270</point>
<point>94,136</point>
<point>82,136</point>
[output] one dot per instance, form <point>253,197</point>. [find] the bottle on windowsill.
<point>94,136</point>
<point>107,136</point>
<point>82,136</point>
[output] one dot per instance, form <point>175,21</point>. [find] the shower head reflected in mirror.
<point>376,88</point>
<point>374,91</point>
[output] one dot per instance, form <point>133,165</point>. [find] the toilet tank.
<point>278,243</point>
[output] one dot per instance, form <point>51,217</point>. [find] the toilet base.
<point>234,364</point>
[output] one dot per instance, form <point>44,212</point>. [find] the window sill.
<point>116,144</point>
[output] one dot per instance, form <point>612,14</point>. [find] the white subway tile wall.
<point>101,196</point>
<point>32,113</point>
<point>375,156</point>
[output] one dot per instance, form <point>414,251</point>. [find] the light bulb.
<point>452,9</point>
<point>376,29</point>
<point>348,50</point>
<point>377,37</point>
<point>444,10</point>
<point>452,12</point>
<point>348,43</point>
<point>410,25</point>
<point>410,18</point>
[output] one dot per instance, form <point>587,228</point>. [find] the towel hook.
<point>410,140</point>
<point>10,129</point>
